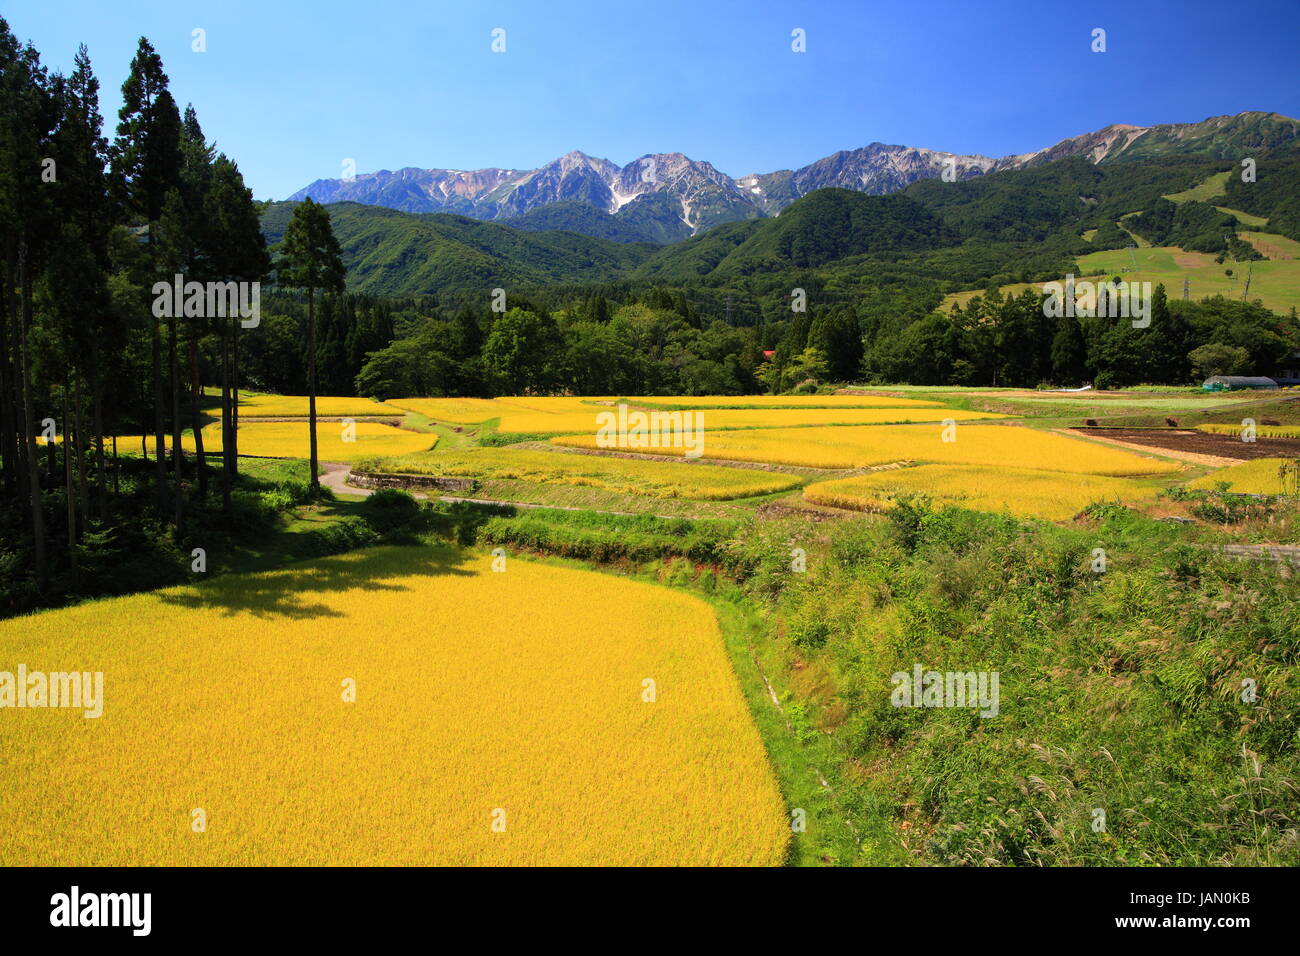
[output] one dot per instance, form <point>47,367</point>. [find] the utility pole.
<point>1250,270</point>
<point>1186,288</point>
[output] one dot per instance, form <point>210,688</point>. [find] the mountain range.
<point>666,197</point>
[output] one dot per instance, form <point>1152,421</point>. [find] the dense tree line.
<point>654,343</point>
<point>1007,340</point>
<point>104,332</point>
<point>657,342</point>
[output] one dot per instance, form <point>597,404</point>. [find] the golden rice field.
<point>566,415</point>
<point>656,479</point>
<point>1263,476</point>
<point>295,406</point>
<point>476,693</point>
<point>1006,446</point>
<point>473,411</point>
<point>1052,495</point>
<point>293,440</point>
<point>1261,431</point>
<point>555,403</point>
<point>783,401</point>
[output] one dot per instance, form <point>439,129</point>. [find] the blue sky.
<point>290,89</point>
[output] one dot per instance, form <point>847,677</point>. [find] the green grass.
<point>1245,218</point>
<point>1211,188</point>
<point>1283,408</point>
<point>1275,282</point>
<point>1272,245</point>
<point>608,537</point>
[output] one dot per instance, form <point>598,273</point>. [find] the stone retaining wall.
<point>364,479</point>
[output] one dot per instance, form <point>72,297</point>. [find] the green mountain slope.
<point>393,253</point>
<point>572,215</point>
<point>821,228</point>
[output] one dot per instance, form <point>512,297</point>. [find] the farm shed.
<point>1232,383</point>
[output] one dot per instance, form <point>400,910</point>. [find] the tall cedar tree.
<point>28,117</point>
<point>311,260</point>
<point>146,164</point>
<point>197,158</point>
<point>233,249</point>
<point>87,214</point>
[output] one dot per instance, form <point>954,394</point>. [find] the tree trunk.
<point>311,386</point>
<point>83,492</point>
<point>8,420</point>
<point>33,475</point>
<point>234,397</point>
<point>159,427</point>
<point>196,391</point>
<point>69,494</point>
<point>225,422</point>
<point>178,452</point>
<point>13,362</point>
<point>101,479</point>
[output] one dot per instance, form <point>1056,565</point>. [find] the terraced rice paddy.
<point>293,440</point>
<point>1053,495</point>
<point>1263,476</point>
<point>860,447</point>
<point>295,406</point>
<point>481,698</point>
<point>783,401</point>
<point>1261,431</point>
<point>627,476</point>
<point>572,416</point>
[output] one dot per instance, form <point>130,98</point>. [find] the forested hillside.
<point>394,253</point>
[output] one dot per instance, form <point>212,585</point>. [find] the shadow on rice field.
<point>287,593</point>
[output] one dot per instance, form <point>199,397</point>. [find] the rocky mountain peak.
<point>679,196</point>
